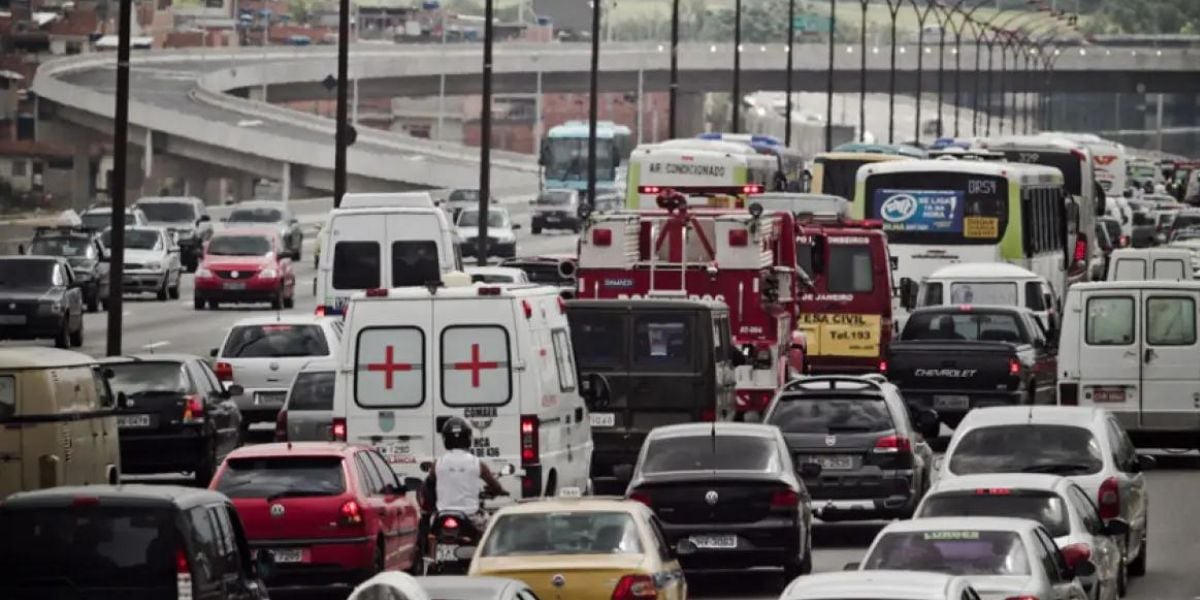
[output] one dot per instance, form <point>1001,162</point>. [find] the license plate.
<point>269,397</point>
<point>12,319</point>
<point>396,454</point>
<point>234,286</point>
<point>603,419</point>
<point>715,541</point>
<point>1108,394</point>
<point>288,555</point>
<point>952,402</point>
<point>129,421</point>
<point>833,463</point>
<point>445,553</point>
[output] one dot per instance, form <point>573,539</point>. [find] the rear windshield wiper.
<point>1056,468</point>
<point>298,494</point>
<point>849,429</point>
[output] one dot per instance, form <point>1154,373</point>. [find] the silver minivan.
<point>307,413</point>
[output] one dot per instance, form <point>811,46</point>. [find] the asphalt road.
<point>174,326</point>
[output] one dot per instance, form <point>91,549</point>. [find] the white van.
<point>499,356</point>
<point>1131,347</point>
<point>382,241</point>
<point>997,284</point>
<point>1141,264</point>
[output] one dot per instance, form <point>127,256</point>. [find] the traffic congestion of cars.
<point>713,375</point>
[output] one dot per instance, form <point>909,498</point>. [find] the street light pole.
<point>942,21</point>
<point>737,66</point>
<point>787,103</point>
<point>674,89</point>
<point>116,271</point>
<point>829,77</point>
<point>862,74</point>
<point>593,103</point>
<point>893,8</point>
<point>922,18</point>
<point>485,141</point>
<point>979,32</point>
<point>342,135</point>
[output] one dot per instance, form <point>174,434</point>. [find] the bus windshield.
<point>939,208</point>
<point>567,158</point>
<point>838,175</point>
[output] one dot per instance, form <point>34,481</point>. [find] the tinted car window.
<point>355,265</point>
<point>25,273</point>
<point>414,263</point>
<point>1027,448</point>
<point>962,326</point>
<point>598,339</point>
<point>282,476</point>
<point>69,246</point>
<point>708,453</point>
<point>312,390</point>
<point>554,198</point>
<point>850,269</point>
<point>1001,294</point>
<point>662,342</point>
<point>263,341</point>
<point>951,552</point>
<point>470,218</point>
<point>139,377</point>
<point>256,215</point>
<point>558,533</point>
<point>464,196</point>
<point>831,415</point>
<point>104,220</point>
<point>1046,508</point>
<point>137,239</point>
<point>89,547</point>
<point>239,245</point>
<point>169,212</point>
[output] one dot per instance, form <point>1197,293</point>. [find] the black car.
<point>176,415</point>
<point>87,256</point>
<point>873,463</point>
<point>130,542</point>
<point>187,218</point>
<point>40,299</point>
<point>728,496</point>
<point>268,213</point>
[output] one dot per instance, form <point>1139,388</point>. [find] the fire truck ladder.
<point>678,223</point>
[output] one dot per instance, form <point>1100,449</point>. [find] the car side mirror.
<point>685,547</point>
<point>1085,568</point>
<point>1116,528</point>
<point>851,566</point>
<point>1145,462</point>
<point>908,293</point>
<point>810,470</point>
<point>294,221</point>
<point>426,466</point>
<point>412,484</point>
<point>213,352</point>
<point>203,219</point>
<point>516,226</point>
<point>122,400</point>
<point>234,390</point>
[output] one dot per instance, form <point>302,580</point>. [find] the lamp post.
<point>593,104</point>
<point>964,20</point>
<point>862,74</point>
<point>893,10</point>
<point>342,134</point>
<point>980,32</point>
<point>117,191</point>
<point>737,66</point>
<point>674,89</point>
<point>829,77</point>
<point>993,33</point>
<point>943,18</point>
<point>485,133</point>
<point>787,103</point>
<point>922,18</point>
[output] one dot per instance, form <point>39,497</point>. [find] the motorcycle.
<point>454,535</point>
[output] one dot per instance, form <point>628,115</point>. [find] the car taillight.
<point>1014,366</point>
<point>193,409</point>
<point>281,426</point>
<point>337,430</point>
<point>1109,499</point>
<point>224,371</point>
<point>1068,394</point>
<point>1124,241</point>
<point>1076,554</point>
<point>643,498</point>
<point>1081,248</point>
<point>635,586</point>
<point>529,440</point>
<point>183,575</point>
<point>351,513</point>
<point>785,500</point>
<point>883,367</point>
<point>893,444</point>
<point>449,523</point>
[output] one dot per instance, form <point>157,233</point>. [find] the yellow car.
<point>581,549</point>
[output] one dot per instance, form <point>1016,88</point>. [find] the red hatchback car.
<point>329,513</point>
<point>247,264</point>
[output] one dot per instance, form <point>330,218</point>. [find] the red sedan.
<point>329,513</point>
<point>245,265</point>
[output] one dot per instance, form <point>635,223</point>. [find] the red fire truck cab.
<point>746,261</point>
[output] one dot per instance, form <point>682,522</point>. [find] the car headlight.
<point>154,266</point>
<point>184,234</point>
<point>268,273</point>
<point>203,272</point>
<point>52,308</point>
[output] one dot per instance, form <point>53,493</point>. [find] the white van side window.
<point>1169,269</point>
<point>1130,269</point>
<point>356,265</point>
<point>476,365</point>
<point>389,369</point>
<point>1110,321</point>
<point>1170,321</point>
<point>564,360</point>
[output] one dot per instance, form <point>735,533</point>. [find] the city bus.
<point>1110,160</point>
<point>1074,161</point>
<point>942,212</point>
<point>564,154</point>
<point>709,177</point>
<point>898,149</point>
<point>834,173</point>
<point>790,161</point>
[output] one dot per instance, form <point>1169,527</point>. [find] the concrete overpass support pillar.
<point>195,183</point>
<point>689,118</point>
<point>244,187</point>
<point>285,182</point>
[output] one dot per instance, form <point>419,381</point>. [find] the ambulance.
<point>375,241</point>
<point>499,356</point>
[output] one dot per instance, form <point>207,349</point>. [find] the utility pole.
<point>736,126</point>
<point>485,146</point>
<point>593,104</point>
<point>342,137</point>
<point>674,89</point>
<point>116,273</point>
<point>829,78</point>
<point>787,103</point>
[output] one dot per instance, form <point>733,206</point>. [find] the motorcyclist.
<point>458,477</point>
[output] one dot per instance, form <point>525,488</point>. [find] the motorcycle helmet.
<point>456,434</point>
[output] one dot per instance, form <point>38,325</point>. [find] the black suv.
<point>87,256</point>
<point>40,299</point>
<point>872,461</point>
<point>175,415</point>
<point>132,542</point>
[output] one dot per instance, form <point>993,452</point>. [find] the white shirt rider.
<point>459,481</point>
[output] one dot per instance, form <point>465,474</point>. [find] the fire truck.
<point>746,260</point>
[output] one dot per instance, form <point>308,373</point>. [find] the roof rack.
<point>835,383</point>
<point>64,227</point>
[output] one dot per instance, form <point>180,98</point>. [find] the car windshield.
<point>977,292</point>
<point>1027,448</point>
<point>256,215</point>
<point>598,339</point>
<point>553,198</point>
<point>1185,220</point>
<point>239,245</point>
<point>88,547</point>
<point>142,377</point>
<point>464,196</point>
<point>951,552</point>
<point>831,415</point>
<point>136,239</point>
<point>95,220</point>
<point>1046,508</point>
<point>470,218</point>
<point>23,273</point>
<point>565,532</point>
<point>68,246</point>
<point>690,453</point>
<point>275,340</point>
<point>312,390</point>
<point>169,212</point>
<point>968,326</point>
<point>276,477</point>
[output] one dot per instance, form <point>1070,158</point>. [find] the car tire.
<point>794,568</point>
<point>63,338</point>
<point>1122,579</point>
<point>77,335</point>
<point>299,254</point>
<point>214,305</point>
<point>1137,568</point>
<point>289,302</point>
<point>198,303</point>
<point>173,292</point>
<point>205,470</point>
<point>161,294</point>
<point>536,230</point>
<point>378,564</point>
<point>277,301</point>
<point>93,303</point>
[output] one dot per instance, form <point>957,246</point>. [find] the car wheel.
<point>277,301</point>
<point>379,563</point>
<point>1122,578</point>
<point>205,470</point>
<point>77,335</point>
<point>289,302</point>
<point>793,569</point>
<point>93,303</point>
<point>63,339</point>
<point>162,291</point>
<point>213,304</point>
<point>173,291</point>
<point>299,254</point>
<point>198,303</point>
<point>536,230</point>
<point>1137,568</point>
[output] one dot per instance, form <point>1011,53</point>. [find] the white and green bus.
<point>942,212</point>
